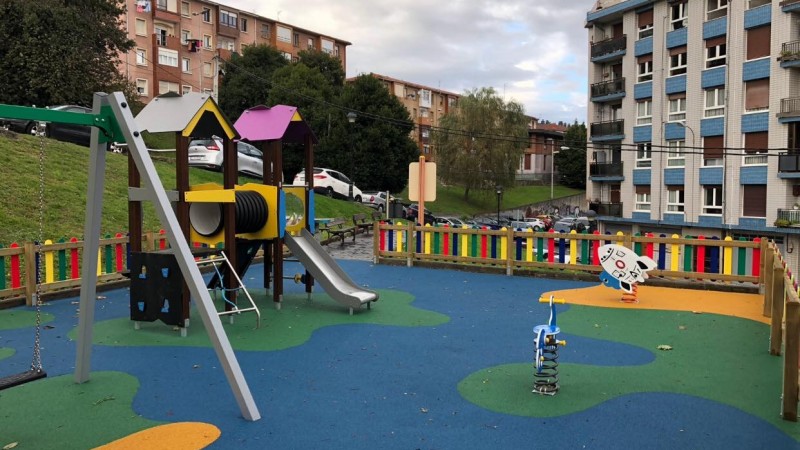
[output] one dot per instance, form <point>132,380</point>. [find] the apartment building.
<point>426,105</point>
<point>694,117</point>
<point>537,164</point>
<point>178,42</point>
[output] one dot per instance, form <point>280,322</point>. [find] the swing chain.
<point>36,364</point>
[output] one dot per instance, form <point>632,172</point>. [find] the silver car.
<point>208,153</point>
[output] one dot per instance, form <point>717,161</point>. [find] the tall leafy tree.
<point>375,149</point>
<point>329,66</point>
<point>56,52</point>
<point>247,79</point>
<point>479,144</point>
<point>572,163</point>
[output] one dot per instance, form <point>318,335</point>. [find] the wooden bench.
<point>361,222</point>
<point>337,228</point>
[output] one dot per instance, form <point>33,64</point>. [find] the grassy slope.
<point>66,180</point>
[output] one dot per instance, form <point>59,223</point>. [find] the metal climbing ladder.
<point>219,287</point>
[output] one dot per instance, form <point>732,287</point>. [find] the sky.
<point>530,51</point>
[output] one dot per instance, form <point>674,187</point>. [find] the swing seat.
<point>21,378</point>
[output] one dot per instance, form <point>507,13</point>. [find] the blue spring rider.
<point>546,347</point>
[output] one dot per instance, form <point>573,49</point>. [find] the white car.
<point>530,222</point>
<point>375,200</point>
<point>331,183</point>
<point>208,153</point>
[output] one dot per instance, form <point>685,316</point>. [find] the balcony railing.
<point>609,46</point>
<point>790,51</point>
<point>612,169</point>
<point>790,215</point>
<point>608,87</point>
<point>790,107</point>
<point>788,2</point>
<point>606,209</point>
<point>611,127</point>
<point>789,161</point>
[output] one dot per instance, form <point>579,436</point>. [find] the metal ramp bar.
<point>242,287</point>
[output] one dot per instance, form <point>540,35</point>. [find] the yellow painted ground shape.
<point>746,306</point>
<point>171,436</point>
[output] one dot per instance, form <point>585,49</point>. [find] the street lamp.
<point>499,191</point>
<point>351,117</point>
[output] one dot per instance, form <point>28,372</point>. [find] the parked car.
<point>76,134</point>
<point>412,211</point>
<point>488,222</point>
<point>376,199</point>
<point>569,223</point>
<point>208,153</point>
<point>453,222</point>
<point>331,183</point>
<point>549,220</point>
<point>20,125</point>
<point>532,223</point>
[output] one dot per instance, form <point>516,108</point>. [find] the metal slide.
<point>327,272</point>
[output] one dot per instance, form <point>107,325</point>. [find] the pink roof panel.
<point>281,122</point>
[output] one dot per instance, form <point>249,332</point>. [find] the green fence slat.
<point>585,249</point>
<point>741,263</point>
<point>688,256</point>
<point>437,242</point>
<point>539,249</point>
<point>2,271</point>
<point>109,251</point>
<point>637,246</point>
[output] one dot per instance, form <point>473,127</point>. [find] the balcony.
<point>790,107</point>
<point>610,46</point>
<point>606,209</point>
<point>790,54</point>
<point>615,88</point>
<point>789,161</point>
<point>162,12</point>
<point>612,169</point>
<point>786,3</point>
<point>788,218</point>
<point>609,128</point>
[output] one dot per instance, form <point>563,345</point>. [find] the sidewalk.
<point>360,250</point>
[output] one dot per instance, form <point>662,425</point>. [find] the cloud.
<point>535,51</point>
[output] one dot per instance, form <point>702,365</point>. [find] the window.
<point>284,34</point>
<point>161,36</point>
<point>756,147</point>
<point>141,87</point>
<point>756,95</point>
<point>287,55</point>
<point>228,19</point>
<point>757,3</point>
<point>185,36</point>
<point>206,14</point>
<point>336,50</point>
<point>716,9</point>
<point>645,24</point>
<point>185,9</point>
<point>676,199</point>
<point>716,52</point>
<point>645,69</point>
<point>644,154</point>
<point>207,91</point>
<point>677,61</point>
<point>715,102</point>
<point>712,200</point>
<point>644,112</point>
<point>141,57</point>
<point>754,200</point>
<point>243,21</point>
<point>168,57</point>
<point>265,30</point>
<point>713,150</point>
<point>327,46</point>
<point>208,70</point>
<point>677,15</point>
<point>642,198</point>
<point>166,86</point>
<point>185,67</point>
<point>758,42</point>
<point>296,41</point>
<point>675,153</point>
<point>141,27</point>
<point>185,89</point>
<point>677,109</point>
<point>310,43</point>
<point>207,42</point>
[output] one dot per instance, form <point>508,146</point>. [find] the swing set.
<point>112,121</point>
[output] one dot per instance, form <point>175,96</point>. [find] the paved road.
<point>361,249</point>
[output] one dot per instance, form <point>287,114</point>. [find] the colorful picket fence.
<point>58,265</point>
<point>686,257</point>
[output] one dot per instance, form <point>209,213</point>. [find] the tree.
<point>479,144</point>
<point>327,65</point>
<point>247,79</point>
<point>374,150</point>
<point>572,163</point>
<point>55,52</point>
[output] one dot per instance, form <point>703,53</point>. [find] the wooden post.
<point>778,300</point>
<point>765,244</point>
<point>790,360</point>
<point>30,272</point>
<point>411,242</point>
<point>768,277</point>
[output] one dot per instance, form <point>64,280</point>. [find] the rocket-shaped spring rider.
<point>624,269</point>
